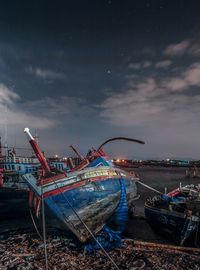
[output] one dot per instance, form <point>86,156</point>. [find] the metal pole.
<point>44,232</point>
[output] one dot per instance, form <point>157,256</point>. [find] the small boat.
<point>176,214</point>
<point>13,188</point>
<point>85,198</point>
<point>192,171</point>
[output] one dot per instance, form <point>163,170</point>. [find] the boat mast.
<point>5,131</point>
<point>76,152</point>
<point>0,148</point>
<point>36,137</point>
<point>47,170</point>
<point>37,151</point>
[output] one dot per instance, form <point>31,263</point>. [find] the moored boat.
<point>176,214</point>
<point>13,188</point>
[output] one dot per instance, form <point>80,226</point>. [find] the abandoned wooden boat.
<point>176,214</point>
<point>85,198</point>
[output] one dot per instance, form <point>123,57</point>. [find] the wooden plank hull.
<point>89,197</point>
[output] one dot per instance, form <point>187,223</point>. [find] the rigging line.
<point>5,125</point>
<point>22,148</point>
<point>87,228</point>
<point>196,234</point>
<point>35,226</point>
<point>44,230</point>
<point>181,207</point>
<point>153,189</point>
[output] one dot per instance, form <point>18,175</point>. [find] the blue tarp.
<point>109,238</point>
<point>177,199</point>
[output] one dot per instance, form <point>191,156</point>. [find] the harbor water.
<point>159,178</point>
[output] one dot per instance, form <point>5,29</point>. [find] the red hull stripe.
<point>51,179</point>
<point>62,189</point>
<point>75,185</point>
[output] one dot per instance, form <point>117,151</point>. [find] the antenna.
<point>15,137</point>
<point>37,151</point>
<point>5,128</point>
<point>0,148</point>
<point>36,137</point>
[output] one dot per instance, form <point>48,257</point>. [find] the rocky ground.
<point>26,252</point>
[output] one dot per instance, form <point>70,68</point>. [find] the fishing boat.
<point>13,188</point>
<point>176,214</point>
<point>85,198</point>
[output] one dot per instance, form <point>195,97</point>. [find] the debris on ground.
<point>26,252</point>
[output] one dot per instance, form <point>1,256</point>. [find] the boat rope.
<point>44,230</point>
<point>122,210</point>
<point>191,224</point>
<point>153,189</point>
<point>34,224</point>
<point>196,235</point>
<point>87,228</point>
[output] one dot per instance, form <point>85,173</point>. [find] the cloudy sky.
<point>83,71</point>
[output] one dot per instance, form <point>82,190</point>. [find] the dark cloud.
<point>82,71</point>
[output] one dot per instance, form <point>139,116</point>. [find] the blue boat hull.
<point>87,199</point>
<point>164,220</point>
<point>93,204</point>
<point>174,225</point>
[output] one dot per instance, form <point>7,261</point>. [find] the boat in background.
<point>13,188</point>
<point>86,197</point>
<point>176,214</point>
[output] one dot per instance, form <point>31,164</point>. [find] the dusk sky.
<point>80,72</point>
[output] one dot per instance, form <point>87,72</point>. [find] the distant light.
<point>118,160</point>
<point>167,159</point>
<point>111,160</point>
<point>122,160</point>
<point>56,156</point>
